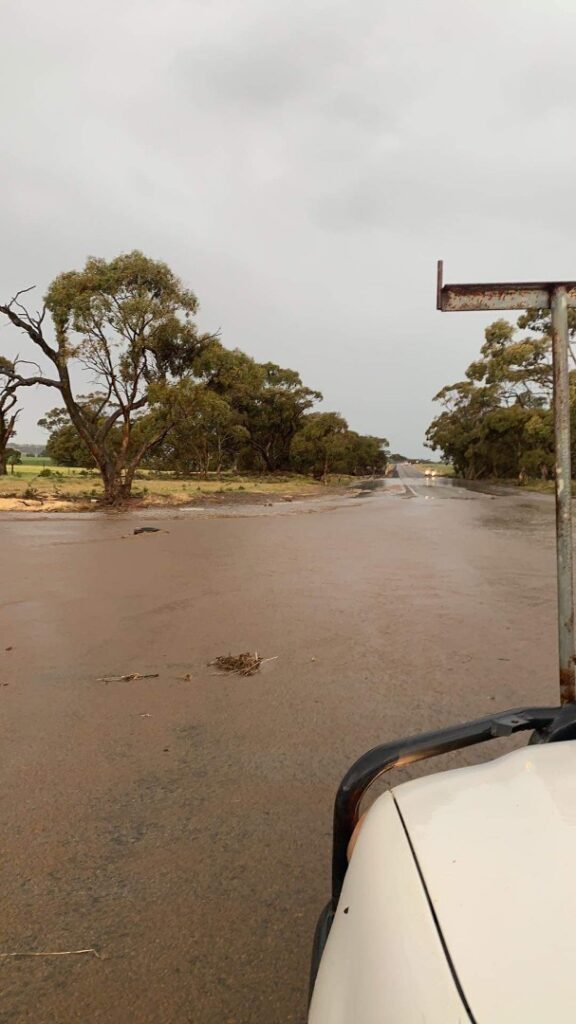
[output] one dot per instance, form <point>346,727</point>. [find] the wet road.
<point>182,827</point>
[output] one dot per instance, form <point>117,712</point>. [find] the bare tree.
<point>8,414</point>
<point>11,382</point>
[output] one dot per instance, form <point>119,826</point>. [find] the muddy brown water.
<point>182,828</point>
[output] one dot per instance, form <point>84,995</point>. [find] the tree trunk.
<point>117,486</point>
<point>5,433</point>
<point>118,471</point>
<point>263,454</point>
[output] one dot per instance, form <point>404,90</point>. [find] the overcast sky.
<point>301,165</point>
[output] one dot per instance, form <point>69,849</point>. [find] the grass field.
<point>36,460</point>
<point>65,487</point>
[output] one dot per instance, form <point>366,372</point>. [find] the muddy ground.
<point>182,827</point>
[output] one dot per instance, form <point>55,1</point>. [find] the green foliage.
<point>131,321</point>
<point>497,422</point>
<point>520,369</point>
<point>320,444</point>
<point>164,395</point>
<point>325,445</point>
<point>31,493</point>
<point>267,400</point>
<point>128,322</point>
<point>12,457</point>
<point>65,446</point>
<point>366,455</point>
<point>206,434</point>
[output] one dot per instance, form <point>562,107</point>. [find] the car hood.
<point>495,845</point>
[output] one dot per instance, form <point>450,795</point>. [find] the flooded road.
<point>181,827</point>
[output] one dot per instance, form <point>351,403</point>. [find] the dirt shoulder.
<point>176,498</point>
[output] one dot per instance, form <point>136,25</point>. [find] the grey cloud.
<point>301,166</point>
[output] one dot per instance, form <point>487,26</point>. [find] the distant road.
<point>421,485</point>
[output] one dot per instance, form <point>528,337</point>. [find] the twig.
<point>21,292</point>
<point>128,678</point>
<point>59,952</point>
<point>27,362</point>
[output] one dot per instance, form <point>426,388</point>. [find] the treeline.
<point>165,396</point>
<point>498,421</point>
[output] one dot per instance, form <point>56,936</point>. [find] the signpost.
<point>556,296</point>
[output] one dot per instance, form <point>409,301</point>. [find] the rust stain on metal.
<point>567,695</point>
<point>515,295</point>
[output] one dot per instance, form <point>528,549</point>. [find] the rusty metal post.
<point>558,296</point>
<point>563,494</point>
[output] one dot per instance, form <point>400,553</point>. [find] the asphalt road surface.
<point>181,826</point>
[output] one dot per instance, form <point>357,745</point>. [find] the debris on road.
<point>58,952</point>
<point>128,678</point>
<point>148,529</point>
<point>245,664</point>
<point>187,678</point>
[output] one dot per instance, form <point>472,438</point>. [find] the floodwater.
<point>181,827</point>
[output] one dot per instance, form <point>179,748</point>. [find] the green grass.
<point>36,460</point>
<point>30,469</point>
<point>534,484</point>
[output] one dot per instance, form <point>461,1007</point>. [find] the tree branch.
<point>22,291</point>
<point>26,362</point>
<point>31,327</point>
<point>147,445</point>
<point>111,419</point>
<point>8,399</point>
<point>24,382</point>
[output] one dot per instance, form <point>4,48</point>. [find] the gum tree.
<point>127,324</point>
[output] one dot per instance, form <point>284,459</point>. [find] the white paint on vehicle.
<point>496,844</point>
<point>384,962</point>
